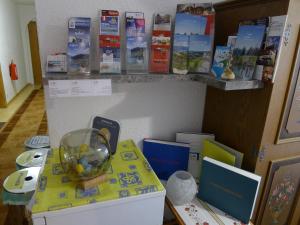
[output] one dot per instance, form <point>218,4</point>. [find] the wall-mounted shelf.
<point>142,78</point>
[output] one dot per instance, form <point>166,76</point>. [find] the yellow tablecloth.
<point>129,175</point>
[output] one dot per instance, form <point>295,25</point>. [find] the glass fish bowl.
<point>85,154</point>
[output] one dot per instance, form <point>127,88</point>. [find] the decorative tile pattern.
<point>42,183</point>
<point>132,167</point>
<point>57,169</point>
<point>146,189</point>
<point>124,193</point>
<point>129,179</point>
<point>80,193</point>
<point>128,156</point>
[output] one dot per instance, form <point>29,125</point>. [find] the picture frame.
<point>289,127</point>
<point>280,193</point>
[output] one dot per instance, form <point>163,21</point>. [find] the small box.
<point>57,63</point>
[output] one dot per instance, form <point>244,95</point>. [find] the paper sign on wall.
<point>79,88</point>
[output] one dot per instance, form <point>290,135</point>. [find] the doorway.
<point>35,54</point>
<point>3,102</point>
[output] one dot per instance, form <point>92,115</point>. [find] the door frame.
<point>3,102</point>
<point>35,53</point>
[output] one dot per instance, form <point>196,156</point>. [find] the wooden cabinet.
<point>249,120</point>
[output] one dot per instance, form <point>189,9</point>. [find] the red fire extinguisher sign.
<point>13,71</point>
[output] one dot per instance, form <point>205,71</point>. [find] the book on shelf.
<point>193,38</point>
<point>248,44</point>
<point>238,155</point>
<point>136,43</point>
<point>213,150</point>
<point>221,60</point>
<point>195,140</point>
<point>161,43</point>
<point>109,42</point>
<point>166,157</point>
<point>202,213</point>
<point>228,188</point>
<point>78,51</point>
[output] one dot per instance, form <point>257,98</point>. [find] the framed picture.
<point>289,129</point>
<point>282,186</point>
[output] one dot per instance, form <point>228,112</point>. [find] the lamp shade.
<point>181,188</point>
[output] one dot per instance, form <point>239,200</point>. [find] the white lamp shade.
<point>181,188</point>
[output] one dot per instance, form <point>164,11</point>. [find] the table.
<point>200,213</point>
<point>131,184</point>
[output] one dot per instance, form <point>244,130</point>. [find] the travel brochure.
<point>78,52</point>
<point>109,38</point>
<point>161,43</point>
<point>221,60</point>
<point>136,43</point>
<point>199,53</point>
<point>245,52</point>
<point>193,38</point>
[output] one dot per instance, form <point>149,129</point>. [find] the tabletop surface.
<point>129,175</point>
<point>198,212</point>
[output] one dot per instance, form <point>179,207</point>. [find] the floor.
<point>14,105</point>
<point>28,120</point>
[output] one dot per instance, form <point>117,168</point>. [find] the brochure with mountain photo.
<point>199,53</point>
<point>79,42</point>
<point>136,43</point>
<point>194,23</point>
<point>247,48</point>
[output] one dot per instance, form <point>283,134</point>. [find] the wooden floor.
<point>29,120</point>
<point>13,106</point>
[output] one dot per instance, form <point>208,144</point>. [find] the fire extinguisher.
<point>13,71</point>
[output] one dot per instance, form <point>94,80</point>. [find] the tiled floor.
<point>11,109</point>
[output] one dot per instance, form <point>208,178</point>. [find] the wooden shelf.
<point>142,78</point>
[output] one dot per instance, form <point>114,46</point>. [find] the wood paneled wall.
<point>248,120</point>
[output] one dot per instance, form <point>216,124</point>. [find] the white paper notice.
<point>102,87</point>
<point>59,88</point>
<point>79,88</point>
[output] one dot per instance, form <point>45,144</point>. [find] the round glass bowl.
<point>84,154</point>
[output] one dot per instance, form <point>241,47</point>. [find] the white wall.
<point>11,48</point>
<point>156,110</point>
<point>26,14</point>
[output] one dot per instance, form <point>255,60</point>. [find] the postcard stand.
<point>193,38</point>
<point>109,42</point>
<point>136,43</point>
<point>79,45</point>
<point>160,45</point>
